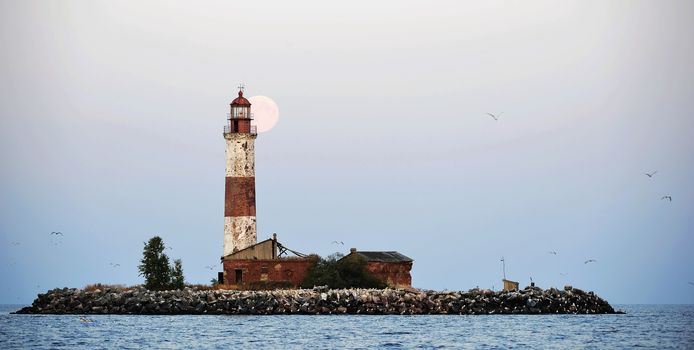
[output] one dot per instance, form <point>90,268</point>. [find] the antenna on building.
<point>503,264</point>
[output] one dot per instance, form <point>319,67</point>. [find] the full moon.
<point>265,112</point>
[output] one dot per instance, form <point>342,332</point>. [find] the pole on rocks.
<point>503,266</point>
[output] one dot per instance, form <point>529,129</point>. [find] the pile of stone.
<point>319,300</point>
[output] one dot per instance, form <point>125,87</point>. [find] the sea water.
<point>643,326</point>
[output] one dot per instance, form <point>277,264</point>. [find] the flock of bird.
<point>588,261</point>
<point>650,175</point>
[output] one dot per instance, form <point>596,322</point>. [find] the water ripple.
<point>644,326</point>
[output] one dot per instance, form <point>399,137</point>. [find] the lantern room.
<point>240,116</point>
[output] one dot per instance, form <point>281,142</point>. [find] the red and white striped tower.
<point>239,190</point>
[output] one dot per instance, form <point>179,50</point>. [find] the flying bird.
<point>210,267</point>
<point>15,243</point>
<point>339,242</point>
<point>692,283</point>
<point>553,252</point>
<point>564,274</point>
<point>667,197</point>
<point>651,174</point>
<point>85,320</point>
<point>57,233</point>
<point>496,117</point>
<point>590,261</point>
<point>114,265</point>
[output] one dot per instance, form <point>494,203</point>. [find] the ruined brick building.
<point>248,264</point>
<point>392,268</point>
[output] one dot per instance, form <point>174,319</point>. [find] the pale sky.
<point>111,116</point>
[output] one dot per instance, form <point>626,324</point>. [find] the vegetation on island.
<point>337,272</point>
<point>155,267</point>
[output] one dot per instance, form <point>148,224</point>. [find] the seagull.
<point>339,242</point>
<point>57,233</point>
<point>114,265</point>
<point>496,117</point>
<point>651,174</point>
<point>210,267</point>
<point>15,243</point>
<point>667,197</point>
<point>590,261</point>
<point>553,252</point>
<point>85,320</point>
<point>564,274</point>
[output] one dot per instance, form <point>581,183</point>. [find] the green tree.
<point>154,265</point>
<point>338,271</point>
<point>353,272</point>
<point>177,280</point>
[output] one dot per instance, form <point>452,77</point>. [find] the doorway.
<point>238,276</point>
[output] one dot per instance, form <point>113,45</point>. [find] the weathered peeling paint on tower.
<point>239,189</point>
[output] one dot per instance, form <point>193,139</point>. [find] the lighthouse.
<point>239,188</point>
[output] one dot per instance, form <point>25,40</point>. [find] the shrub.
<point>269,285</point>
<point>337,271</point>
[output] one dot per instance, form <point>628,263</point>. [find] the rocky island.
<point>319,300</point>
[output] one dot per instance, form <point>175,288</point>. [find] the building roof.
<point>242,253</point>
<point>240,101</point>
<point>383,256</point>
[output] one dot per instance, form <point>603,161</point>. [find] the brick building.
<point>391,267</point>
<point>265,265</point>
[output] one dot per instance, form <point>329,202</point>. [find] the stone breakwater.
<point>319,300</point>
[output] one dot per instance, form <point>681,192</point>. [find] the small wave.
<point>396,333</point>
<point>390,345</point>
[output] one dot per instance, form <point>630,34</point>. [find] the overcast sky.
<point>111,116</point>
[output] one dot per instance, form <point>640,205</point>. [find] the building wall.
<point>275,270</point>
<point>395,274</point>
<point>264,250</point>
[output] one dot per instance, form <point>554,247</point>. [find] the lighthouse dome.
<point>240,101</point>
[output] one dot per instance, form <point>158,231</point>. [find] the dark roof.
<point>383,256</point>
<point>240,101</point>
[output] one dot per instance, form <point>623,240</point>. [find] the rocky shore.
<point>319,300</point>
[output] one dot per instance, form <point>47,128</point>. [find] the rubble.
<point>319,300</point>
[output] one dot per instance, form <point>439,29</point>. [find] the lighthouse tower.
<point>239,189</point>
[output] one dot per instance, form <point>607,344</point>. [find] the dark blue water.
<point>644,326</point>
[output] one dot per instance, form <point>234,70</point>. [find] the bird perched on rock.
<point>667,197</point>
<point>590,261</point>
<point>651,174</point>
